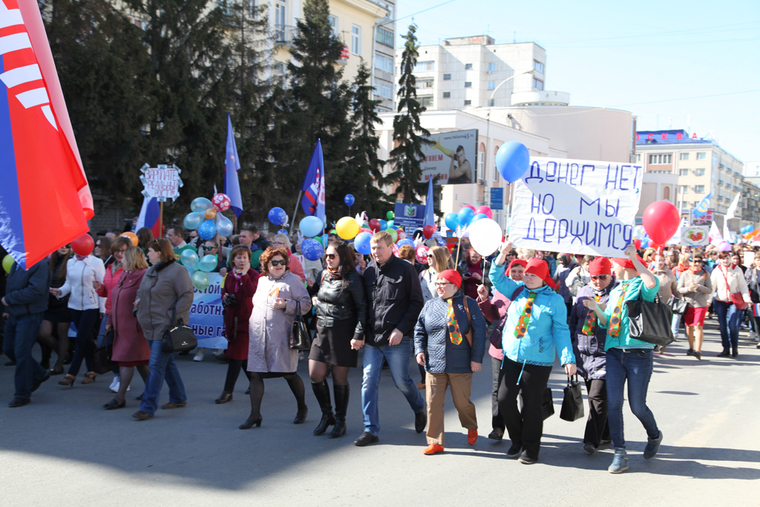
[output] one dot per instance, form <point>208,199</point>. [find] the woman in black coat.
<point>341,308</point>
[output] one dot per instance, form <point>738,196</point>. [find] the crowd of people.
<point>525,307</point>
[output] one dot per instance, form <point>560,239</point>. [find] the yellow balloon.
<point>347,228</point>
<point>393,233</point>
<point>8,263</point>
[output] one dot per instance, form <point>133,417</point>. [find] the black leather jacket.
<point>334,302</point>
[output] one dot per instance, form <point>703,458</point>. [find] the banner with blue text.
<point>576,206</point>
<point>206,314</point>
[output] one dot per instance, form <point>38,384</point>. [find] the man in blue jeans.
<point>628,358</point>
<point>395,300</point>
<point>25,302</point>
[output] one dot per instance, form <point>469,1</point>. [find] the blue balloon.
<point>207,230</point>
<point>383,224</point>
<point>278,216</point>
<point>465,216</point>
<point>452,221</point>
<point>479,216</point>
<point>310,226</point>
<point>223,225</point>
<point>441,242</point>
<point>189,259</point>
<point>208,263</point>
<point>193,220</point>
<point>361,243</point>
<point>391,224</point>
<point>200,204</point>
<point>349,200</point>
<point>512,160</point>
<point>312,250</point>
<point>282,231</point>
<point>406,241</point>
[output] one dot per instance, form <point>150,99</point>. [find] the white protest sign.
<point>162,182</point>
<point>695,235</point>
<point>576,206</point>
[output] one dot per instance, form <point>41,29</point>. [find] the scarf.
<point>614,323</point>
<point>589,326</point>
<point>522,323</point>
<point>451,323</point>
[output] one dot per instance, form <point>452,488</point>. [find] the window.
<point>383,62</point>
<point>491,85</point>
<point>666,193</point>
<point>279,21</point>
<point>660,158</point>
<point>447,77</point>
<point>638,157</point>
<point>426,101</point>
<point>333,22</point>
<point>468,84</point>
<point>729,171</point>
<point>720,198</point>
<point>492,67</point>
<point>683,172</point>
<point>538,84</point>
<point>700,189</point>
<point>467,66</point>
<point>538,67</point>
<point>384,89</point>
<point>683,156</point>
<point>356,40</point>
<point>491,102</point>
<point>467,102</point>
<point>427,65</point>
<point>720,183</point>
<point>481,165</point>
<point>384,36</point>
<point>446,95</point>
<point>425,83</point>
<point>253,9</point>
<point>495,169</point>
<point>699,172</point>
<point>683,188</point>
<point>701,155</point>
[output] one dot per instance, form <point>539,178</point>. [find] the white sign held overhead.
<point>162,182</point>
<point>576,206</point>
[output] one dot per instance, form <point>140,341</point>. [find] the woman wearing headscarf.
<point>449,340</point>
<point>588,344</point>
<point>628,359</point>
<point>536,330</point>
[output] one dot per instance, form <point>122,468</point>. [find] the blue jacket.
<point>547,328</point>
<point>432,338</point>
<point>26,292</point>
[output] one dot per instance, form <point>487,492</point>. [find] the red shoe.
<point>472,436</point>
<point>433,449</point>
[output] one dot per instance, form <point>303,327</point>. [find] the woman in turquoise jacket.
<point>536,327</point>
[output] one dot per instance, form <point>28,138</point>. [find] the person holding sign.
<point>627,358</point>
<point>536,326</point>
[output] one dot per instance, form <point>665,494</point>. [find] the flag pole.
<point>161,218</point>
<point>234,223</point>
<point>293,220</point>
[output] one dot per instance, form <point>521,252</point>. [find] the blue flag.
<point>429,205</point>
<point>703,206</point>
<point>313,200</point>
<point>231,167</point>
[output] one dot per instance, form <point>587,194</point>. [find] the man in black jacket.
<point>394,300</point>
<point>25,302</point>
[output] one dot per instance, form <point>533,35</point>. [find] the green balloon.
<point>390,215</point>
<point>200,280</point>
<point>8,263</point>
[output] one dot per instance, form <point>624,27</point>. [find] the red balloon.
<point>661,220</point>
<point>83,245</point>
<point>374,224</point>
<point>637,244</point>
<point>471,207</point>
<point>428,231</point>
<point>485,210</point>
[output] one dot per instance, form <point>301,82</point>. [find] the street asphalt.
<point>63,449</point>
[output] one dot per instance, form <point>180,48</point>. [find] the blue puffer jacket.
<point>547,329</point>
<point>431,336</point>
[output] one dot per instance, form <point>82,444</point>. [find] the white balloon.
<point>485,236</point>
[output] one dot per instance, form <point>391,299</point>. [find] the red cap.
<point>540,268</point>
<point>600,266</point>
<point>451,275</point>
<point>516,262</point>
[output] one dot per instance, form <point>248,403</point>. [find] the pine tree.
<point>407,154</point>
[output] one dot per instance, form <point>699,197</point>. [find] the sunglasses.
<point>278,263</point>
<point>66,246</point>
<point>599,277</point>
<point>121,251</point>
<point>442,284</point>
<point>431,256</point>
<point>331,256</point>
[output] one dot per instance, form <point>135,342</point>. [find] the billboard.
<point>409,216</point>
<point>453,157</point>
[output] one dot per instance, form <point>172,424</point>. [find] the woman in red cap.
<point>449,340</point>
<point>536,326</point>
<point>588,344</point>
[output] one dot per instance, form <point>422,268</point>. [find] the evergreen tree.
<point>407,154</point>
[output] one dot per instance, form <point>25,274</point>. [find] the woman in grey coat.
<point>278,295</point>
<point>165,293</point>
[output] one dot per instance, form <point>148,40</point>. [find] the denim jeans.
<point>398,357</point>
<point>161,366</point>
<point>20,337</point>
<point>636,366</point>
<point>85,321</point>
<point>675,324</point>
<point>728,320</point>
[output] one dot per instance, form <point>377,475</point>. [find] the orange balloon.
<point>132,237</point>
<point>211,213</point>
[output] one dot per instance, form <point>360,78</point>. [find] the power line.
<point>687,98</point>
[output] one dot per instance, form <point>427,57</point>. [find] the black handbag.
<point>547,405</point>
<point>179,337</point>
<point>650,321</point>
<point>677,305</point>
<point>101,358</point>
<point>300,335</point>
<point>572,403</point>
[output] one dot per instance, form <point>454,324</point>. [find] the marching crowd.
<point>524,307</point>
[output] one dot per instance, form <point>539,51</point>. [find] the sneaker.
<point>653,445</point>
<point>514,451</point>
<point>114,387</point>
<point>589,448</point>
<point>199,356</point>
<point>619,462</point>
<point>753,336</point>
<point>526,459</point>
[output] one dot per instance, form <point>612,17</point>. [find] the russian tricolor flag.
<point>150,215</point>
<point>45,200</point>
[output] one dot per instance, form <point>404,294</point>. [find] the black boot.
<point>341,405</point>
<point>322,393</point>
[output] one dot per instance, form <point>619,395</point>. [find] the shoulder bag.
<point>179,337</point>
<point>677,305</point>
<point>300,335</point>
<point>649,321</point>
<point>572,403</point>
<point>736,297</point>
<point>101,358</point>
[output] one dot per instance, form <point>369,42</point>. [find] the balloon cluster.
<point>207,217</point>
<point>311,227</point>
<point>478,224</point>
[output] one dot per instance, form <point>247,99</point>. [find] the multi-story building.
<point>472,72</point>
<point>702,167</point>
<point>752,172</point>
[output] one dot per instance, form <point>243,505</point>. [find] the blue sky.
<point>692,65</point>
